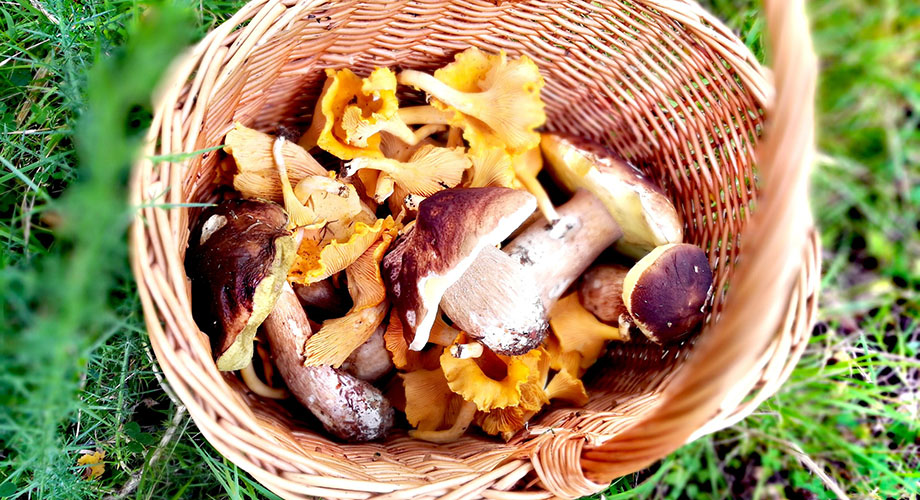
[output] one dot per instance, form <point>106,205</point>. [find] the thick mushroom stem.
<point>502,302</point>
<point>349,408</point>
<point>555,255</point>
<point>498,302</point>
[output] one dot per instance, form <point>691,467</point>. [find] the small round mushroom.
<point>238,257</point>
<point>666,292</point>
<point>371,360</point>
<point>322,300</point>
<point>601,292</point>
<point>452,229</point>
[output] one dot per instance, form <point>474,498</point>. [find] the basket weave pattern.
<point>660,81</point>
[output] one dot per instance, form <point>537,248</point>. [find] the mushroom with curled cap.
<point>453,228</point>
<point>667,291</point>
<point>494,98</point>
<point>238,258</point>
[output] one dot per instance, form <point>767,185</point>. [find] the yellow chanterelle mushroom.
<point>487,89</point>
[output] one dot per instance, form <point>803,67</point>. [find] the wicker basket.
<point>683,98</point>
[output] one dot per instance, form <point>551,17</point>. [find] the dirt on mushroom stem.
<point>349,408</point>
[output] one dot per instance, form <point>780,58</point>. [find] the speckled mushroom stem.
<point>556,255</point>
<point>496,302</point>
<point>349,408</point>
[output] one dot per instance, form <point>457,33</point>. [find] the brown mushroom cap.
<point>666,292</point>
<point>640,207</point>
<point>238,257</point>
<point>601,292</point>
<point>452,227</point>
<point>322,300</point>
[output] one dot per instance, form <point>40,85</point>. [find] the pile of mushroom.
<point>424,266</point>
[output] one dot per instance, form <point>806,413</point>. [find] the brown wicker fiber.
<point>661,81</point>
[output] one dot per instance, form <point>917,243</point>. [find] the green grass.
<point>77,372</point>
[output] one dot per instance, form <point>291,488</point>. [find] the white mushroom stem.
<point>497,302</point>
<point>555,255</point>
<point>348,407</point>
<point>503,298</point>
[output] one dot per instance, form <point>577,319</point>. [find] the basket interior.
<point>640,80</point>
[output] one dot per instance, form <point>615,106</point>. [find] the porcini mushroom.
<point>666,292</point>
<point>370,360</point>
<point>321,300</point>
<point>545,259</point>
<point>452,228</point>
<point>349,408</point>
<point>555,254</point>
<point>496,301</point>
<point>601,292</point>
<point>238,257</point>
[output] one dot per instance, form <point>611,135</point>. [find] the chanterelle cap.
<point>238,257</point>
<point>452,227</point>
